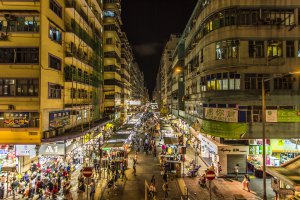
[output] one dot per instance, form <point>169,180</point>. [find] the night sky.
<point>148,25</point>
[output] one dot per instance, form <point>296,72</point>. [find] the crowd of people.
<point>46,181</point>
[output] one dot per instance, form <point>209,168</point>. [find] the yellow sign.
<point>20,137</point>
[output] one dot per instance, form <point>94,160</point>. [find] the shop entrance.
<point>233,159</point>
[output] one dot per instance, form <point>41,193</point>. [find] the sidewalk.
<point>222,188</point>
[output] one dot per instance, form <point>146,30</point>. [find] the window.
<point>19,87</point>
<point>54,62</point>
<point>109,40</point>
<point>227,49</point>
<point>283,83</point>
<point>73,93</point>
<point>55,34</point>
<point>290,49</point>
<point>27,87</point>
<point>7,87</point>
<point>19,55</point>
<point>20,24</point>
<point>254,81</point>
<point>55,7</point>
<point>274,48</point>
<point>54,91</point>
<point>299,46</point>
<point>220,81</point>
<point>256,49</point>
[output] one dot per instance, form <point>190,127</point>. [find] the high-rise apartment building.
<point>51,68</point>
<point>112,58</point>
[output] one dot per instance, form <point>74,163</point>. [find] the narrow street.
<point>134,187</point>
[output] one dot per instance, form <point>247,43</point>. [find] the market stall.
<point>286,182</point>
<point>115,152</point>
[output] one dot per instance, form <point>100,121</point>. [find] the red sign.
<point>87,172</point>
<point>210,175</point>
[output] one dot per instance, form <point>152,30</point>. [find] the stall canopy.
<point>113,145</point>
<point>170,140</point>
<point>118,138</point>
<point>288,172</point>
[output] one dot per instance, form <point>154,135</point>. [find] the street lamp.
<point>264,127</point>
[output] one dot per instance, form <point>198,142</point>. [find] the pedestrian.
<point>93,189</point>
<point>246,183</point>
<point>134,169</point>
<point>165,189</point>
<point>236,171</point>
<point>165,177</point>
<point>152,190</point>
<point>153,180</point>
<point>2,191</point>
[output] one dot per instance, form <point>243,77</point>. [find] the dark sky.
<point>148,25</point>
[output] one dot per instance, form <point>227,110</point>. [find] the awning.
<point>288,173</point>
<point>112,145</point>
<point>171,140</point>
<point>119,137</point>
<point>77,131</point>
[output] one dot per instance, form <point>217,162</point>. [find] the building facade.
<point>51,76</point>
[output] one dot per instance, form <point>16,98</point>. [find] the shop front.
<point>8,159</point>
<point>25,154</point>
<point>114,153</point>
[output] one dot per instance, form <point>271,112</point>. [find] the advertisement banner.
<point>271,116</point>
<point>223,129</point>
<point>16,120</point>
<point>59,119</point>
<point>52,149</point>
<point>24,150</point>
<point>258,149</point>
<point>221,114</point>
<point>288,116</point>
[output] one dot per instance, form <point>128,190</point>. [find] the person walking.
<point>93,189</point>
<point>165,177</point>
<point>153,180</point>
<point>165,188</point>
<point>134,169</point>
<point>246,183</point>
<point>2,191</point>
<point>236,171</point>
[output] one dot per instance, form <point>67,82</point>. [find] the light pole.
<point>263,98</point>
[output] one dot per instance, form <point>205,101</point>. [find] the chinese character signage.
<point>282,116</point>
<point>221,114</point>
<point>223,129</point>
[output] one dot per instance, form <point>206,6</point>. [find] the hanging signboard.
<point>221,114</point>
<point>24,150</point>
<point>223,129</point>
<point>52,149</point>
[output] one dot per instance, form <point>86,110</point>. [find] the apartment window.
<point>20,24</point>
<point>278,17</point>
<point>225,81</point>
<point>201,56</point>
<point>54,91</point>
<point>299,45</point>
<point>27,87</point>
<point>55,7</point>
<point>234,81</point>
<point>55,34</point>
<point>290,49</point>
<point>109,40</point>
<point>274,48</point>
<point>254,81</point>
<point>227,49</point>
<point>256,49</point>
<point>54,62</point>
<point>19,55</point>
<point>73,93</point>
<point>7,87</point>
<point>283,83</point>
<point>225,85</point>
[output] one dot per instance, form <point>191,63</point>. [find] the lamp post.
<point>263,98</point>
